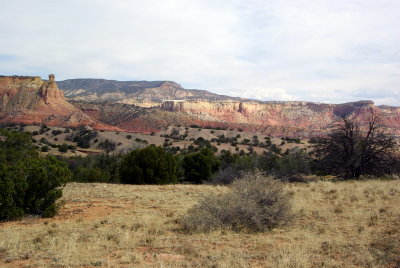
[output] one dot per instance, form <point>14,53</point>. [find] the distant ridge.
<point>146,93</point>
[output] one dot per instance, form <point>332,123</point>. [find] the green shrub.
<point>293,163</point>
<point>45,176</point>
<point>71,147</point>
<point>150,165</point>
<point>29,184</point>
<point>13,185</point>
<point>199,166</point>
<point>56,132</point>
<point>94,174</point>
<point>253,203</point>
<point>275,149</point>
<point>94,168</point>
<point>84,136</point>
<point>63,148</point>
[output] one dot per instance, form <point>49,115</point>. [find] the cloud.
<point>318,50</point>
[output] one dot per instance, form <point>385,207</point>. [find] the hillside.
<point>144,93</point>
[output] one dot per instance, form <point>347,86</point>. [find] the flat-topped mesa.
<point>368,103</point>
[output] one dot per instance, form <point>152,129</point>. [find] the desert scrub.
<point>253,203</point>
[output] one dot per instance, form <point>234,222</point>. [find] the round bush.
<point>253,203</point>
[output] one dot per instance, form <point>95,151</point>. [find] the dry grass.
<point>336,225</point>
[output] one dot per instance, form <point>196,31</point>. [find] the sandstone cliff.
<point>31,100</point>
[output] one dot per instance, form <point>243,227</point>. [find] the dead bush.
<point>226,176</point>
<point>253,203</point>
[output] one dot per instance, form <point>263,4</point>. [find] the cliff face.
<point>299,117</point>
<point>31,100</point>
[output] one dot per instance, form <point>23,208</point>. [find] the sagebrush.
<point>253,203</point>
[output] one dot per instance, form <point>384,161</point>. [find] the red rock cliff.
<point>30,100</point>
<point>305,116</point>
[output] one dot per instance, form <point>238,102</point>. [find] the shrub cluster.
<point>253,203</point>
<point>150,165</point>
<point>294,162</point>
<point>83,137</point>
<point>95,168</point>
<point>29,184</point>
<point>107,145</point>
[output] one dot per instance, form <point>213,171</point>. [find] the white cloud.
<point>316,50</point>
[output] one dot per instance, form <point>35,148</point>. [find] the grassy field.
<point>342,224</point>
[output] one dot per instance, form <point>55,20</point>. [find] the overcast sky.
<point>314,50</point>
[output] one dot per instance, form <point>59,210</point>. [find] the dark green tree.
<point>28,183</point>
<point>150,165</point>
<point>45,176</point>
<point>199,166</point>
<point>63,148</point>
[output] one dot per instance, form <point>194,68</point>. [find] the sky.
<point>304,50</point>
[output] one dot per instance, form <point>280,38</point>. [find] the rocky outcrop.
<point>31,100</point>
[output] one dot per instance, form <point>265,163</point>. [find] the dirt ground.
<point>335,224</point>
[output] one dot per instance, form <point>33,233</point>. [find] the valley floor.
<point>343,224</point>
